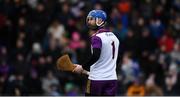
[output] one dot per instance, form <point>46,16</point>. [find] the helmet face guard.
<point>97,19</point>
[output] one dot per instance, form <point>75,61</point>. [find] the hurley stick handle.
<point>85,72</point>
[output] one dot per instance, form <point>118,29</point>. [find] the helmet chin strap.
<point>97,19</point>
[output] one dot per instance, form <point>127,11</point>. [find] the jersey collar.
<point>101,30</point>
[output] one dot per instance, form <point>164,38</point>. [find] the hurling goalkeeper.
<point>102,78</point>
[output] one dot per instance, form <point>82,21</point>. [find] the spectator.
<point>53,91</point>
<point>130,42</point>
<point>16,86</point>
<point>48,81</point>
<point>4,69</point>
<point>175,54</point>
<point>153,67</point>
<point>33,83</point>
<point>130,69</point>
<point>136,89</point>
<point>146,42</point>
<point>20,63</point>
<point>56,32</point>
<point>151,88</point>
<point>76,41</point>
<point>156,28</point>
<point>175,27</point>
<point>171,84</point>
<point>3,54</point>
<point>166,42</point>
<point>70,90</point>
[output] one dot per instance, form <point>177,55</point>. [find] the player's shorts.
<point>102,88</point>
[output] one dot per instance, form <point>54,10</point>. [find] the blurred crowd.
<point>34,33</point>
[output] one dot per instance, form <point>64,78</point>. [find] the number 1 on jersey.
<point>113,49</point>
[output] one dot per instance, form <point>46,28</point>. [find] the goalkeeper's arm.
<point>95,56</point>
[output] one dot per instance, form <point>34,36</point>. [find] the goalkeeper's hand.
<point>78,69</point>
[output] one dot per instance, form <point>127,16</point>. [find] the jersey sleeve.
<point>96,42</point>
